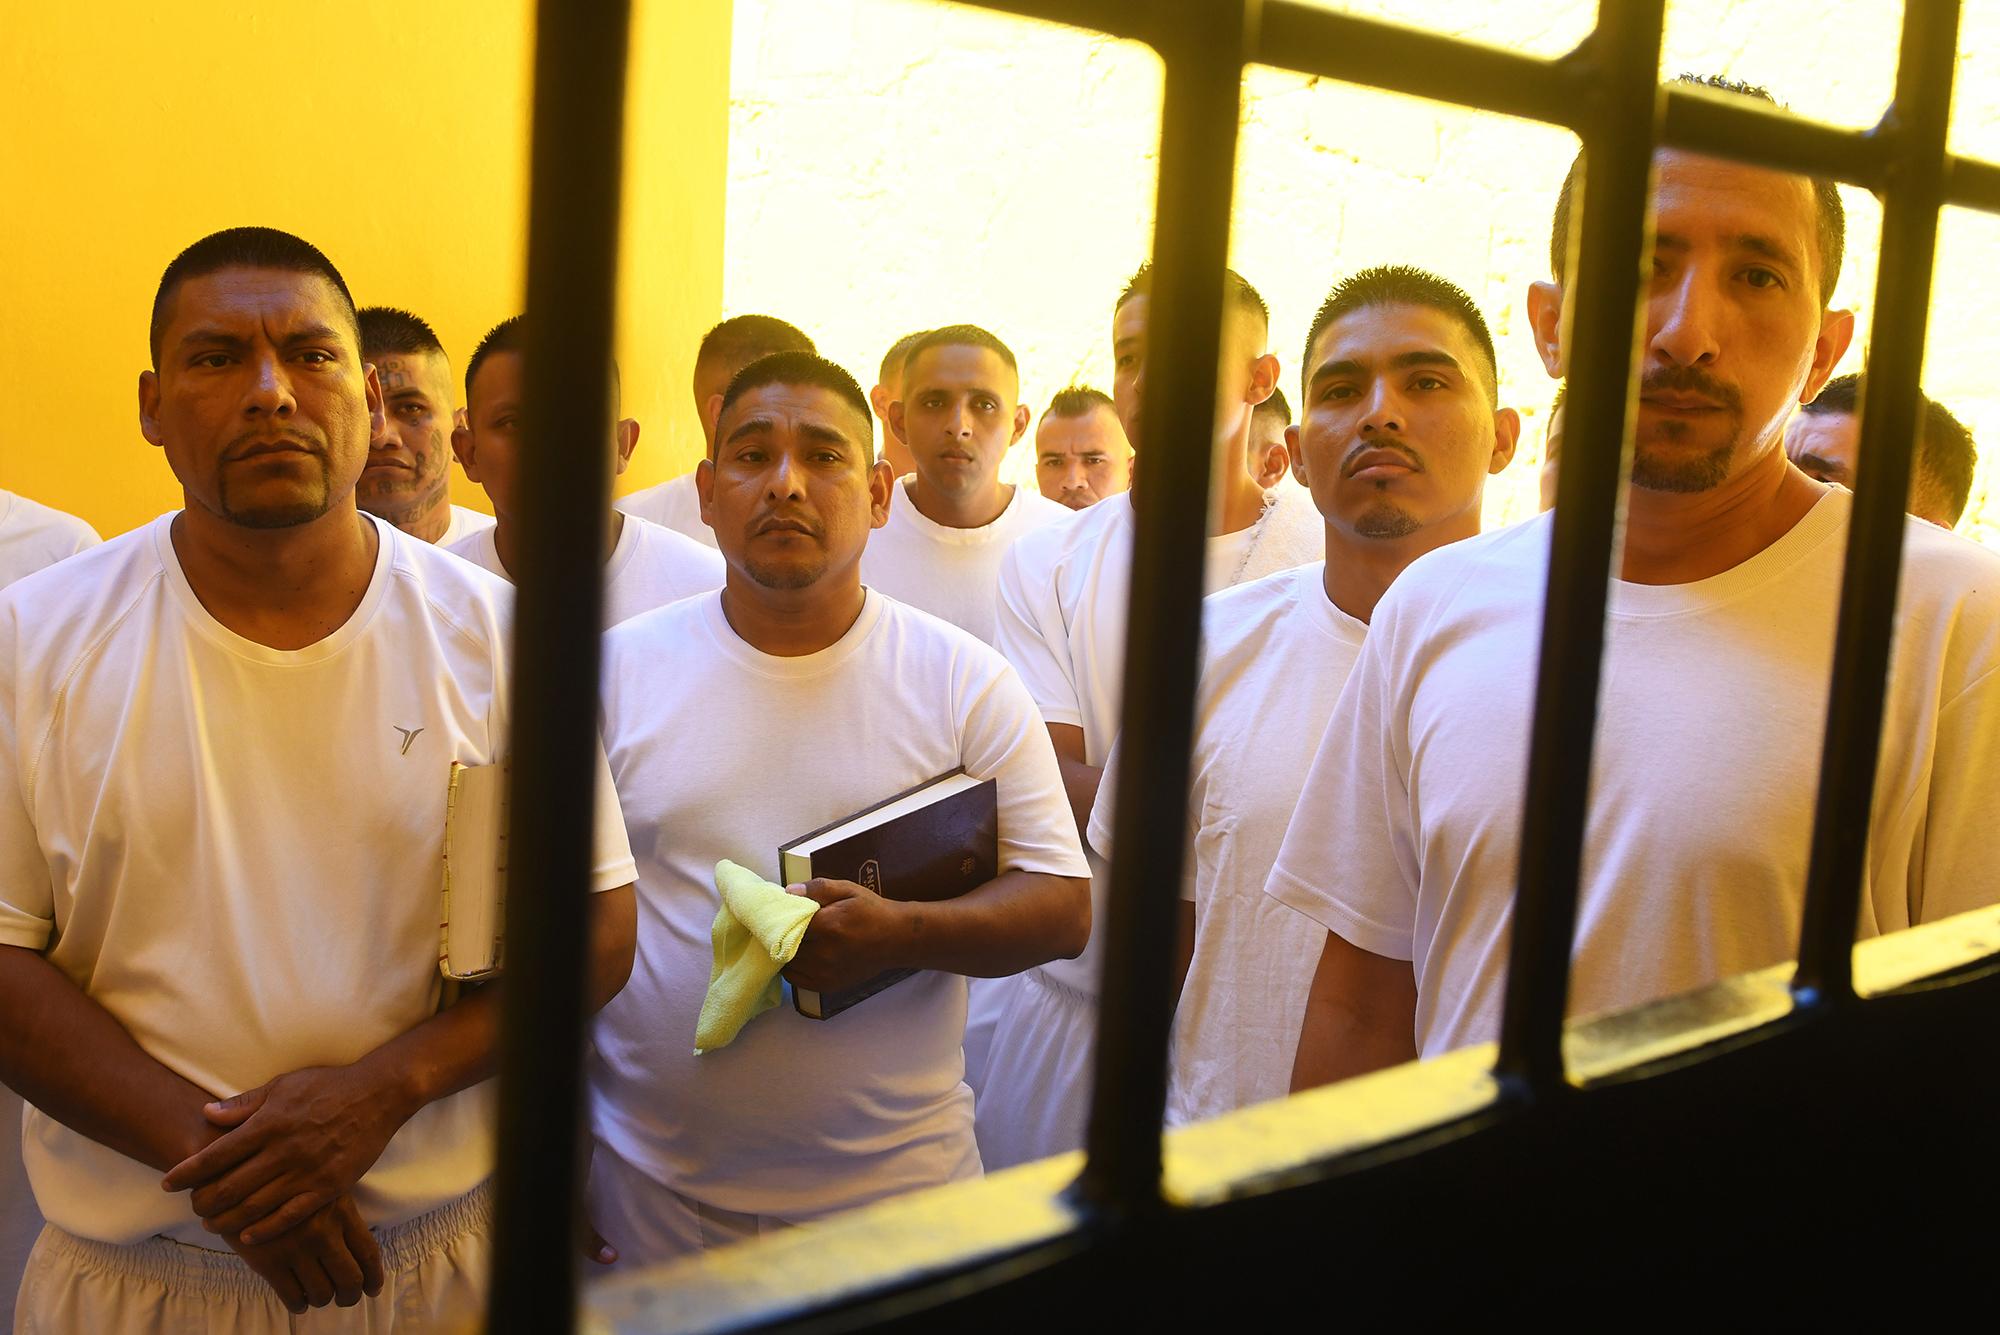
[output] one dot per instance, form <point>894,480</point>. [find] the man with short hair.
<point>32,537</point>
<point>407,480</point>
<point>645,566</point>
<point>224,741</point>
<point>1824,438</point>
<point>1063,593</point>
<point>1719,632</point>
<point>726,349</point>
<point>1401,427</point>
<point>888,389</point>
<point>1081,454</point>
<point>797,697</point>
<point>952,520</point>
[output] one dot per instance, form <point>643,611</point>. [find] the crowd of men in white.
<point>224,735</point>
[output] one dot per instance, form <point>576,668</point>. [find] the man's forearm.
<point>1360,1016</point>
<point>63,1052</point>
<point>1015,921</point>
<point>1080,783</point>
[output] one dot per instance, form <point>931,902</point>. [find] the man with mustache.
<point>1824,438</point>
<point>1401,426</point>
<point>726,349</point>
<point>740,720</point>
<point>224,743</point>
<point>952,519</point>
<point>1063,596</point>
<point>645,565</point>
<point>1719,636</point>
<point>407,480</point>
<point>1081,454</point>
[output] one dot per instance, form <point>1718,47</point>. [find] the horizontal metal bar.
<point>1915,135</point>
<point>1396,59</point>
<point>1972,184</point>
<point>1611,247</point>
<point>1707,120</point>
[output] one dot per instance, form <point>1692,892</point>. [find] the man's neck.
<point>976,510</point>
<point>791,623</point>
<point>1360,570</point>
<point>284,588</point>
<point>1681,537</point>
<point>424,518</point>
<point>1242,500</point>
<point>507,539</point>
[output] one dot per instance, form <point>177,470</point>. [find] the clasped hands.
<point>274,1184</point>
<point>855,935</point>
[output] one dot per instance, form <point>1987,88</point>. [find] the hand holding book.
<point>856,935</point>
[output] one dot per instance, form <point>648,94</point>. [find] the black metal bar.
<point>1621,60</point>
<point>1706,120</point>
<point>572,272</point>
<point>1972,184</point>
<point>1395,59</point>
<point>1914,131</point>
<point>1204,75</point>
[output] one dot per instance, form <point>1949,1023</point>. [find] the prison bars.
<point>1606,91</point>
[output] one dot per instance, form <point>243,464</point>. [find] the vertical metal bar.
<point>572,272</point>
<point>1915,184</point>
<point>1621,68</point>
<point>1203,44</point>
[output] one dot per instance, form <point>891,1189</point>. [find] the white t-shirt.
<point>33,536</point>
<point>1275,654</point>
<point>1705,772</point>
<point>728,755</point>
<point>464,523</point>
<point>236,850</point>
<point>673,504</point>
<point>953,573</point>
<point>649,567</point>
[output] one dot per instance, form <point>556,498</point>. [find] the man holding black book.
<point>797,699</point>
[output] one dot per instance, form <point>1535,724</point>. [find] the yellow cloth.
<point>756,932</point>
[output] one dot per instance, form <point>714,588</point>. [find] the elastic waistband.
<point>184,1268</point>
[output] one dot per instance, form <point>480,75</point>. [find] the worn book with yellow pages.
<point>474,909</point>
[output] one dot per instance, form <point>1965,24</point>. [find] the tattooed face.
<point>405,478</point>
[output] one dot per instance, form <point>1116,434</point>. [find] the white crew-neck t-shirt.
<point>649,567</point>
<point>1704,776</point>
<point>728,755</point>
<point>237,850</point>
<point>673,504</point>
<point>952,573</point>
<point>464,523</point>
<point>33,536</point>
<point>1275,653</point>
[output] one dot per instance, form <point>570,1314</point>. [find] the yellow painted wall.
<point>900,163</point>
<point>391,134</point>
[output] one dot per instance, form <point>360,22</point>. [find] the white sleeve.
<point>1001,737</point>
<point>1035,639</point>
<point>27,899</point>
<point>1348,860</point>
<point>1105,806</point>
<point>1956,868</point>
<point>611,851</point>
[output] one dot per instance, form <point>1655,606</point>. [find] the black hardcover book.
<point>936,841</point>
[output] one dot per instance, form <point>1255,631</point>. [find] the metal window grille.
<point>1766,1083</point>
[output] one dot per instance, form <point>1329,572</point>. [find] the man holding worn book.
<point>225,740</point>
<point>740,721</point>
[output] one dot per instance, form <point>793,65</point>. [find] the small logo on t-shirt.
<point>409,735</point>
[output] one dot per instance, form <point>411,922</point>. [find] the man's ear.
<point>1021,419</point>
<point>881,491</point>
<point>879,400</point>
<point>1545,311</point>
<point>895,421</point>
<point>627,432</point>
<point>711,413</point>
<point>149,408</point>
<point>1297,454</point>
<point>1263,378</point>
<point>464,449</point>
<point>378,417</point>
<point>1269,467</point>
<point>704,487</point>
<point>1836,331</point>
<point>1506,438</point>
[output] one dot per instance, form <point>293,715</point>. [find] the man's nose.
<point>1076,477</point>
<point>1683,320</point>
<point>782,481</point>
<point>270,388</point>
<point>1384,411</point>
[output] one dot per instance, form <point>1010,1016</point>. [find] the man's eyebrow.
<point>211,337</point>
<point>1825,465</point>
<point>1757,243</point>
<point>313,333</point>
<point>1345,366</point>
<point>748,426</point>
<point>1426,357</point>
<point>824,434</point>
